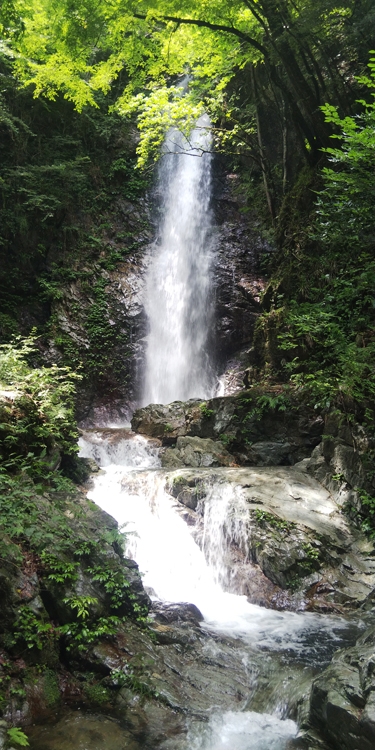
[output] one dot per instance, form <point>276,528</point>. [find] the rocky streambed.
<point>272,536</point>
<point>260,591</point>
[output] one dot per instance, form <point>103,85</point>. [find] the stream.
<point>284,650</point>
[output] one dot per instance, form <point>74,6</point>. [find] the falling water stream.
<point>177,301</point>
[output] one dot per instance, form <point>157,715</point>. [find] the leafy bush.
<point>346,204</point>
<point>37,410</point>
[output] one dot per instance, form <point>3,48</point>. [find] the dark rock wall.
<point>237,282</point>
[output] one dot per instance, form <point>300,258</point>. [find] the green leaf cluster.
<point>325,321</point>
<point>36,408</point>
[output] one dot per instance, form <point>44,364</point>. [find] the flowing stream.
<point>132,488</point>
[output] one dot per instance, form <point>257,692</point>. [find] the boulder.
<point>168,613</point>
<point>195,451</point>
<point>167,422</point>
<point>281,524</point>
<point>342,463</point>
<point>342,702</point>
<point>256,434</point>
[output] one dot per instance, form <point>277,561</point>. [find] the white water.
<point>178,279</point>
<point>243,731</point>
<point>175,569</point>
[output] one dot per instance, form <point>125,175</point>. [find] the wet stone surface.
<point>79,731</point>
<point>283,520</point>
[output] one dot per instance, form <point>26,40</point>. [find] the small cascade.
<point>246,730</point>
<point>225,524</point>
<point>118,448</point>
<point>178,281</point>
<point>176,569</point>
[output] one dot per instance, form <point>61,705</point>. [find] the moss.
<point>97,693</point>
<point>264,517</point>
<point>51,689</point>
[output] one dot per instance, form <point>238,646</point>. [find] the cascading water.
<point>178,280</point>
<point>133,489</point>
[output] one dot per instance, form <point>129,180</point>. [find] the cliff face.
<point>99,317</point>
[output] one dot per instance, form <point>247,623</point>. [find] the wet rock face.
<point>287,544</point>
<point>237,281</point>
<point>195,451</point>
<point>36,672</point>
<point>98,317</point>
<point>342,703</point>
<point>78,730</point>
<point>252,435</point>
<point>175,612</point>
<point>342,463</point>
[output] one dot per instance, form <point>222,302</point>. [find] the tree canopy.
<point>301,54</point>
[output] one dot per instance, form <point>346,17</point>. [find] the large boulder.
<point>170,421</point>
<point>342,702</point>
<point>283,523</point>
<point>195,451</point>
<point>259,429</point>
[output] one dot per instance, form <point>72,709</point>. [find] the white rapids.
<point>172,564</point>
<point>175,569</point>
<point>243,731</point>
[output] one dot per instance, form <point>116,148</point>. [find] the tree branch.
<point>213,27</point>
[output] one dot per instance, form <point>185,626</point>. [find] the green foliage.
<point>226,439</point>
<point>264,517</point>
<point>51,687</point>
<point>30,516</point>
<point>326,318</point>
<point>81,605</point>
<point>113,581</point>
<point>59,571</point>
<point>39,417</point>
<point>365,517</point>
<point>97,693</point>
<point>17,736</point>
<point>128,678</point>
<point>32,630</point>
<point>346,205</point>
<point>255,405</point>
<point>273,401</point>
<point>161,109</point>
<point>206,412</point>
<point>82,633</point>
<point>312,553</point>
<point>91,47</point>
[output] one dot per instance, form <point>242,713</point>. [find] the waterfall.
<point>178,280</point>
<point>177,564</point>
